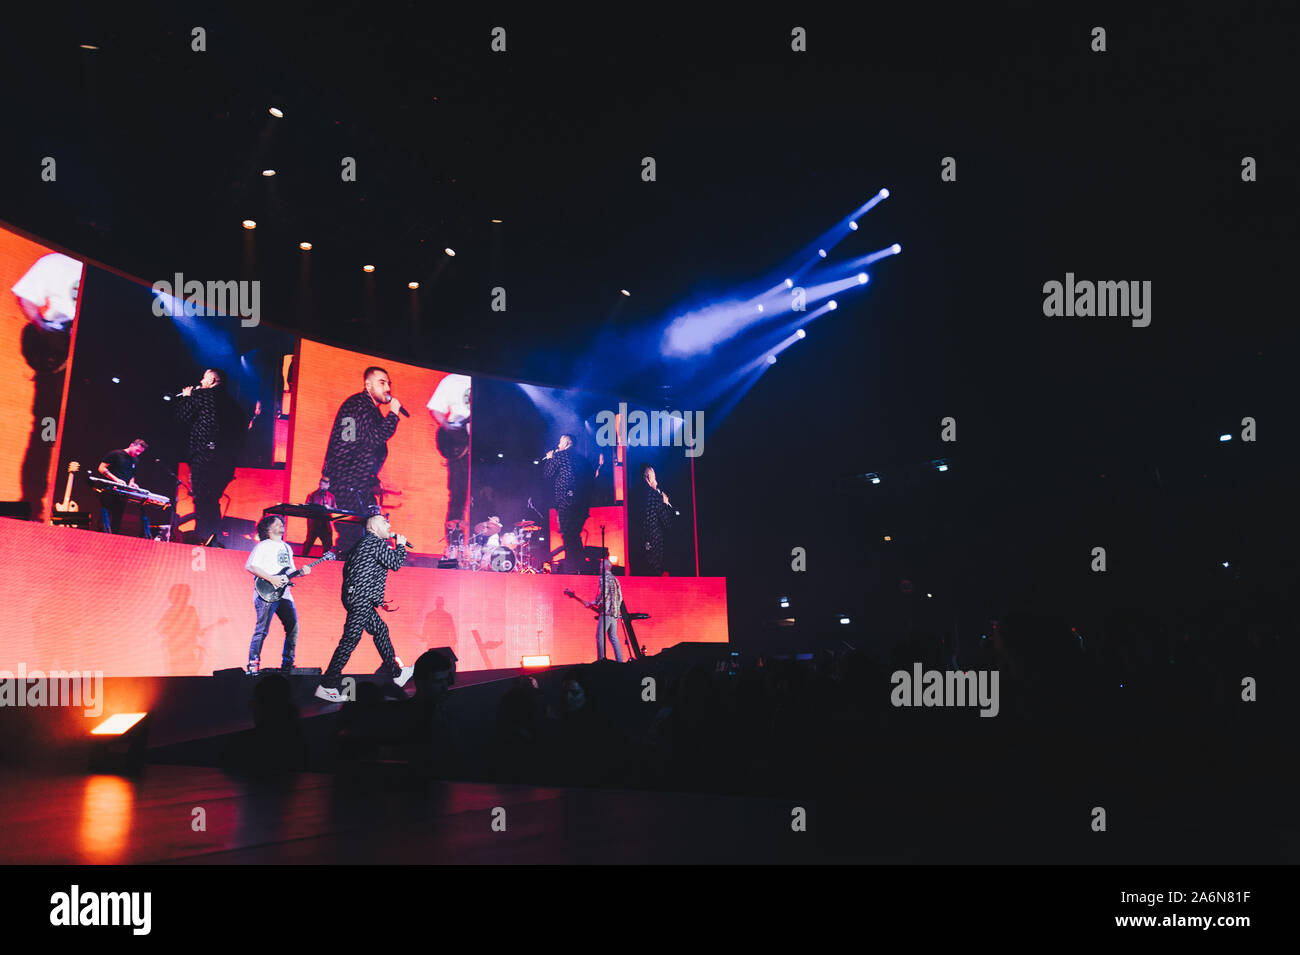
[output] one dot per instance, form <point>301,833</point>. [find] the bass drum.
<point>501,559</point>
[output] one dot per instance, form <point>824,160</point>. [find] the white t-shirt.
<point>272,557</point>
<point>52,284</point>
<point>452,399</point>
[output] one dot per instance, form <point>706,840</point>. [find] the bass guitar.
<point>626,616</point>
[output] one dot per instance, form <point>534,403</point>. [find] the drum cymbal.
<point>487,527</point>
<point>527,526</point>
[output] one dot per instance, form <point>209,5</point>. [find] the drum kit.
<point>489,549</point>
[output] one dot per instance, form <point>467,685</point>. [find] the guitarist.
<point>272,560</point>
<point>608,602</point>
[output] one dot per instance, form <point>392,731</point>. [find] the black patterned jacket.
<point>356,463</point>
<point>365,573</point>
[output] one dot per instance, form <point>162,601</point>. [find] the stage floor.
<point>54,818</point>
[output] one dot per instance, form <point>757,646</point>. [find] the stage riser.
<point>130,607</point>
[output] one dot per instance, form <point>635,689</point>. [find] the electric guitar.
<point>570,593</point>
<point>271,593</point>
<point>69,506</point>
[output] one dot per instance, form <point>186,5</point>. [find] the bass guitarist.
<point>272,561</point>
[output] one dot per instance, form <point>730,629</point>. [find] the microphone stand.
<point>601,618</point>
<point>171,520</point>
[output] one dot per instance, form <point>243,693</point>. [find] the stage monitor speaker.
<point>79,519</point>
<point>695,653</point>
<point>18,510</point>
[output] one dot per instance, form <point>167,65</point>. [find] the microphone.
<point>181,393</point>
<point>408,542</point>
<point>405,413</point>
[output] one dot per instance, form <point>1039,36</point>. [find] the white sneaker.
<point>405,675</point>
<point>330,695</point>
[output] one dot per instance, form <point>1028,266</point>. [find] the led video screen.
<point>38,320</point>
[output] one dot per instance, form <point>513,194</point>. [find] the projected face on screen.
<point>357,425</point>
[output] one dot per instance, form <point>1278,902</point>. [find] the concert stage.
<point>92,602</point>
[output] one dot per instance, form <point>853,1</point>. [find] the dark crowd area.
<point>1143,718</point>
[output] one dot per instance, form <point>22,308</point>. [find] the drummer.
<point>489,532</point>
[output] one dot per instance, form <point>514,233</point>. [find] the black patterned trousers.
<point>361,619</point>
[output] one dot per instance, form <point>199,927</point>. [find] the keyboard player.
<point>119,467</point>
<point>320,528</point>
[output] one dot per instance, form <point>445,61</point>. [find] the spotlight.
<point>305,246</point>
<point>117,724</point>
<point>250,224</point>
<point>88,46</point>
<point>844,619</point>
<point>1225,437</point>
<point>120,743</point>
<point>822,253</point>
<point>117,381</point>
<point>540,660</point>
<point>853,226</point>
<point>863,278</point>
<point>451,252</point>
<point>412,285</point>
<point>367,268</point>
<point>873,477</point>
<point>276,112</point>
<point>167,397</point>
<point>832,305</point>
<point>771,359</point>
<point>801,333</point>
<point>888,538</point>
<point>268,173</point>
<point>626,292</point>
<point>789,283</point>
<point>884,193</point>
<point>1225,563</point>
<point>939,464</point>
<point>760,308</point>
<point>896,248</point>
<point>535,462</point>
<point>500,454</point>
<point>497,221</point>
<point>785,602</point>
<point>929,595</point>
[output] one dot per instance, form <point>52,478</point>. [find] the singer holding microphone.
<point>365,577</point>
<point>358,446</point>
<point>216,429</point>
<point>656,522</point>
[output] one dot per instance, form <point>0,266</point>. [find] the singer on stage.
<point>569,495</point>
<point>358,444</point>
<point>365,576</point>
<point>656,522</point>
<point>216,428</point>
